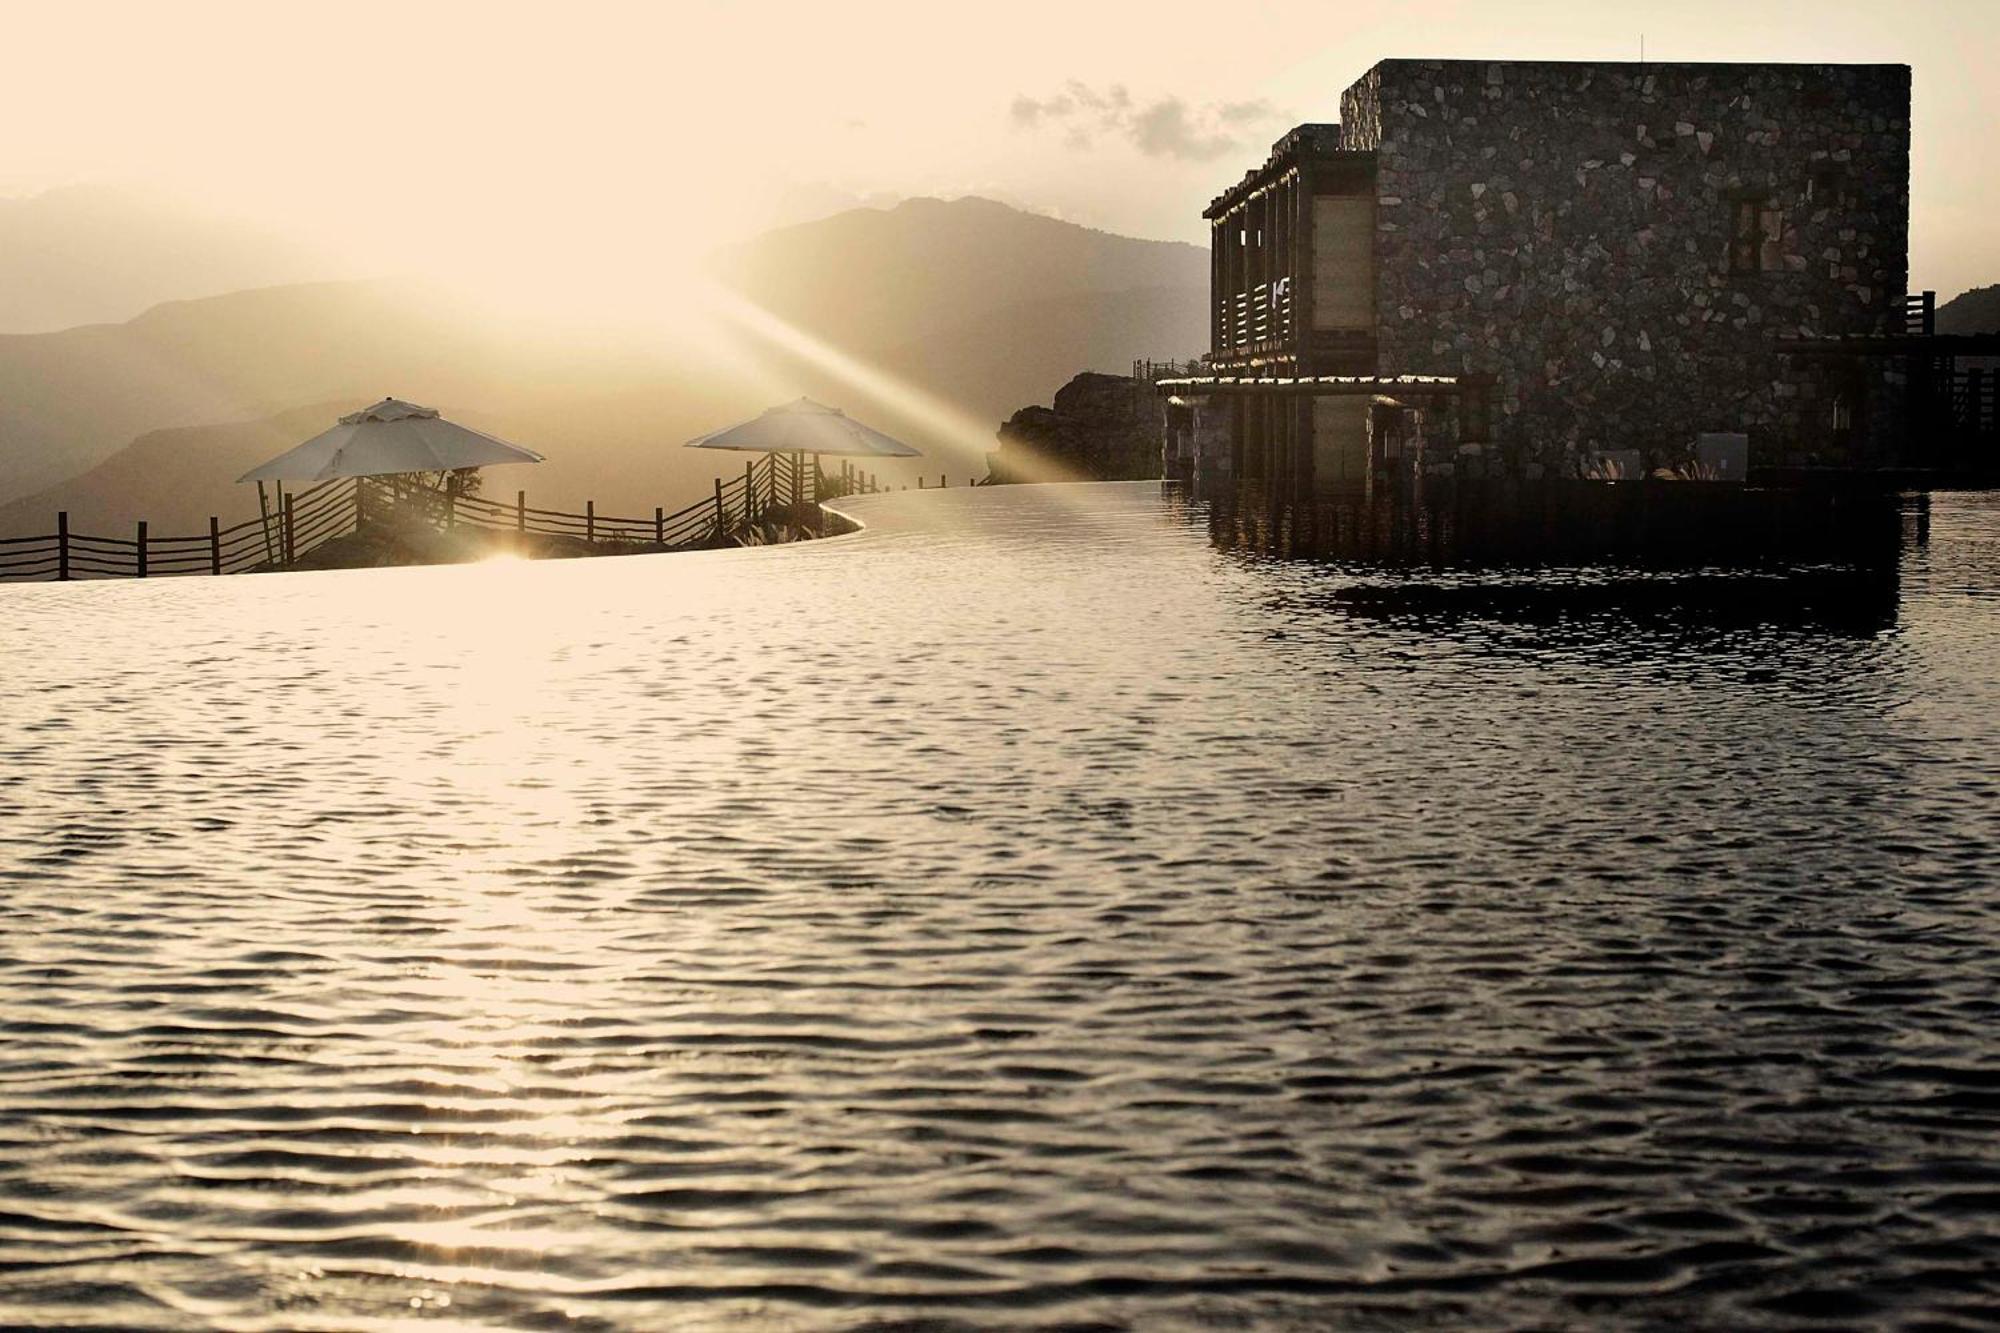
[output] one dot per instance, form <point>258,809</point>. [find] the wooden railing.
<point>1972,399</point>
<point>304,519</point>
<point>1148,371</point>
<point>769,498</point>
<point>1919,313</point>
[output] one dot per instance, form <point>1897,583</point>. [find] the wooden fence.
<point>1972,405</point>
<point>770,498</point>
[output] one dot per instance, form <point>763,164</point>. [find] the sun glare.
<point>941,420</point>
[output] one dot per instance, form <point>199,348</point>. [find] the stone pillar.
<point>1176,442</point>
<point>1208,442</point>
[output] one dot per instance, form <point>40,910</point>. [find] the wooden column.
<point>1294,275</point>
<point>1303,263</point>
<point>1260,257</point>
<point>1218,289</point>
<point>264,523</point>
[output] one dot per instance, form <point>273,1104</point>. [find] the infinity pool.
<point>1017,914</point>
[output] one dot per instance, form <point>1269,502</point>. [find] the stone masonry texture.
<point>1566,228</point>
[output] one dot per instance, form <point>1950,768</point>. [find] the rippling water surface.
<point>1018,914</point>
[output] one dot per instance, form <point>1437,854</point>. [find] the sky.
<point>607,139</point>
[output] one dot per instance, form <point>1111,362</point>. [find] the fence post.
<point>141,546</point>
<point>264,523</point>
<point>660,526</point>
<point>590,522</point>
<point>290,529</point>
<point>942,483</point>
<point>798,479</point>
<point>520,511</point>
<point>214,545</point>
<point>450,501</point>
<point>62,545</point>
<point>721,519</point>
<point>819,481</point>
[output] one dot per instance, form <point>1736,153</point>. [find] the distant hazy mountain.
<point>1976,311</point>
<point>68,400</point>
<point>89,254</point>
<point>174,479</point>
<point>1005,359</point>
<point>981,305</point>
<point>877,279</point>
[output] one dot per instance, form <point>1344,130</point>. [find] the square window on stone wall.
<point>1756,236</point>
<point>1826,187</point>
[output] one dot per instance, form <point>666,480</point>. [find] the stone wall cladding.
<point>1566,227</point>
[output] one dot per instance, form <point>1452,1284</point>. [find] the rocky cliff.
<point>1101,428</point>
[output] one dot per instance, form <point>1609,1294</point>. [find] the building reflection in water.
<point>1500,523</point>
<point>1672,558</point>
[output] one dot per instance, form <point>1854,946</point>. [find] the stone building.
<point>1522,268</point>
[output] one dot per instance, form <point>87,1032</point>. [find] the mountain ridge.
<point>1976,310</point>
<point>80,255</point>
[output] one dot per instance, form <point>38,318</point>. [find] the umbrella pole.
<point>264,519</point>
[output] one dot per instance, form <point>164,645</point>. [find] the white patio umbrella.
<point>392,436</point>
<point>805,427</point>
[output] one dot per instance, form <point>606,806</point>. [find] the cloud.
<point>1077,104</point>
<point>1243,113</point>
<point>1163,127</point>
<point>1165,130</point>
